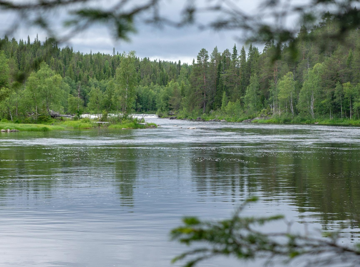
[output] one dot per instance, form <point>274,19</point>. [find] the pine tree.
<point>243,72</point>
<point>219,88</point>
<point>339,97</point>
<point>200,80</point>
<point>214,77</point>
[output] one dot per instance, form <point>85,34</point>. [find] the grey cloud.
<point>176,44</point>
<point>167,43</point>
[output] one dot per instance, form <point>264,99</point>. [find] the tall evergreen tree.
<point>243,72</point>
<point>200,80</point>
<point>125,82</point>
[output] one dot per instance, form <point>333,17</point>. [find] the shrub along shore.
<point>264,119</point>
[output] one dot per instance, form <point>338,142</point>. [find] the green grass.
<point>76,125</point>
<point>343,122</point>
<point>29,127</point>
<point>132,125</point>
<point>151,125</point>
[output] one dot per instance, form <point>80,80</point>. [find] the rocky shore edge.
<point>9,131</point>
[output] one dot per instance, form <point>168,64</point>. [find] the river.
<point>110,197</point>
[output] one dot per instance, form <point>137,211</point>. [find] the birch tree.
<point>310,92</point>
<point>287,92</point>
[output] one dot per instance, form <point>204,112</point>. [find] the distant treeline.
<point>317,83</point>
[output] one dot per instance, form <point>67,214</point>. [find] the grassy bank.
<point>81,124</point>
<point>30,127</point>
<point>132,125</point>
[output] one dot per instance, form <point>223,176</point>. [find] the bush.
<point>104,116</point>
<point>115,119</point>
<point>85,120</point>
<point>29,120</point>
<point>44,119</point>
<point>77,115</point>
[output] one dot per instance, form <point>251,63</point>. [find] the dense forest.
<point>236,84</point>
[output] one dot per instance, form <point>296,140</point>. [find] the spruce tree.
<point>125,82</point>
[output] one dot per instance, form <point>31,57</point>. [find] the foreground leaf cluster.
<point>242,238</point>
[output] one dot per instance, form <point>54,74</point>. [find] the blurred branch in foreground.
<point>240,237</point>
<point>62,19</point>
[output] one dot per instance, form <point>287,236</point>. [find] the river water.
<point>110,197</point>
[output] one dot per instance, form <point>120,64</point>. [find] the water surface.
<point>109,197</point>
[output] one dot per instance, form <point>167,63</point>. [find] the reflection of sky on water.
<point>109,198</point>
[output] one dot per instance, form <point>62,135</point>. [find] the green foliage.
<point>316,85</point>
<point>4,77</point>
<point>224,101</point>
<point>241,237</point>
<point>286,93</point>
<point>233,109</point>
<point>125,82</point>
<point>86,120</point>
<point>128,123</point>
<point>29,127</point>
<point>311,91</point>
<point>252,98</point>
<point>199,94</point>
<point>44,119</point>
<point>75,105</point>
<point>95,100</point>
<point>104,116</point>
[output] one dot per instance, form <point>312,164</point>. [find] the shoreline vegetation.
<point>116,122</point>
<point>316,87</point>
<point>265,119</point>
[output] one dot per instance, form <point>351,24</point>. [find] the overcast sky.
<point>167,44</point>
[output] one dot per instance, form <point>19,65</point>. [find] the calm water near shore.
<point>110,197</point>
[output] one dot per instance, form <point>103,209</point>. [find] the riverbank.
<point>268,120</point>
<point>82,124</point>
<point>298,120</point>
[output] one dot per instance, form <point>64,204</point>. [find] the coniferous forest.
<point>235,84</point>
